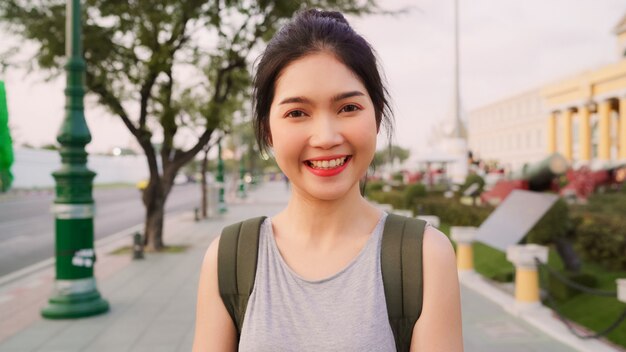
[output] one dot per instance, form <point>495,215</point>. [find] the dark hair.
<point>308,32</point>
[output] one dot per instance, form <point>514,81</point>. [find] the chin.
<point>328,192</point>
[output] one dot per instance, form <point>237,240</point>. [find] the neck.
<point>325,220</point>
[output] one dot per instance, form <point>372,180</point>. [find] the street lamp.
<point>242,174</point>
<point>220,178</point>
<point>75,293</point>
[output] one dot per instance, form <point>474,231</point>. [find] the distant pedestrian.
<point>317,283</point>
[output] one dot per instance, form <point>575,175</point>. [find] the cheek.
<point>365,134</point>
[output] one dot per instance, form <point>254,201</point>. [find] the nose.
<point>326,133</point>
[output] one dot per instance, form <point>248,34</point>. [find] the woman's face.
<point>323,126</point>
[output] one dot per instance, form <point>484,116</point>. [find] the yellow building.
<point>510,131</point>
<point>586,117</point>
<point>583,117</point>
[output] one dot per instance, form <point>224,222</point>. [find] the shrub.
<point>398,177</point>
<point>451,211</point>
<point>373,186</point>
<point>602,239</point>
<point>395,198</point>
<point>413,192</point>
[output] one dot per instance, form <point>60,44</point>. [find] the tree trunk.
<point>154,202</point>
<point>204,168</point>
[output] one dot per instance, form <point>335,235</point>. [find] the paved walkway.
<point>153,300</point>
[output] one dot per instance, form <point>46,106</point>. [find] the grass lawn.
<point>593,312</point>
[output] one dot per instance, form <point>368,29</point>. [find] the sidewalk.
<point>153,300</point>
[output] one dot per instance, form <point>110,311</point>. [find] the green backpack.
<point>401,250</point>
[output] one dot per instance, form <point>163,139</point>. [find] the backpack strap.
<point>236,266</point>
<point>401,266</point>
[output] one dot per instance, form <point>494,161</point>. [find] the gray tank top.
<point>344,312</point>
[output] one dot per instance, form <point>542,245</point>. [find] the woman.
<point>319,105</point>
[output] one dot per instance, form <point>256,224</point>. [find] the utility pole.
<point>75,293</point>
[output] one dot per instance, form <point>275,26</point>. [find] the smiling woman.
<point>317,279</point>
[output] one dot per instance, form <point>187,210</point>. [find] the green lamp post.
<point>242,175</point>
<point>75,293</point>
<point>220,178</point>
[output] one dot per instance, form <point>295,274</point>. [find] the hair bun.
<point>334,15</point>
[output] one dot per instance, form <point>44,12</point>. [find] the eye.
<point>295,114</point>
<point>350,108</point>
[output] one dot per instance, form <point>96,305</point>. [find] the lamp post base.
<point>76,305</point>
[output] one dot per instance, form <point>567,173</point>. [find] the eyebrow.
<point>335,98</point>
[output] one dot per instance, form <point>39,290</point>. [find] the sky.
<point>506,47</point>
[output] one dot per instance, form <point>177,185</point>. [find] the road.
<point>27,225</point>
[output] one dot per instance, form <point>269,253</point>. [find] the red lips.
<point>327,172</point>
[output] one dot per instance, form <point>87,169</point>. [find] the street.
<point>27,225</point>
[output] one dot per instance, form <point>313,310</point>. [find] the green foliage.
<point>450,210</point>
<point>180,64</point>
<point>602,239</point>
<point>607,203</point>
<point>392,152</point>
<point>555,223</point>
<point>393,197</point>
<point>413,192</point>
<point>398,177</point>
<point>373,186</point>
<point>161,66</point>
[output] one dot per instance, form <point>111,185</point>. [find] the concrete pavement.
<point>153,300</point>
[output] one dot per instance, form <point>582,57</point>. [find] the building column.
<point>552,133</point>
<point>567,134</point>
<point>584,133</point>
<point>622,129</point>
<point>604,125</point>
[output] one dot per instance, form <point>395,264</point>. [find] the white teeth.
<point>328,164</point>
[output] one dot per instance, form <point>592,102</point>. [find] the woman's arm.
<point>215,330</point>
<point>439,326</point>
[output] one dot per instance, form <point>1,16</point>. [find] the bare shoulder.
<point>437,248</point>
<point>210,256</point>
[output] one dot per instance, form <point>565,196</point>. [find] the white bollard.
<point>526,275</point>
<point>464,238</point>
<point>621,290</point>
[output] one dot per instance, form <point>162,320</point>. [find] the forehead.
<point>316,75</point>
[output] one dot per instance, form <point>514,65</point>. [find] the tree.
<point>146,59</point>
<point>391,153</point>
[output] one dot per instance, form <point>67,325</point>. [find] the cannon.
<point>540,176</point>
